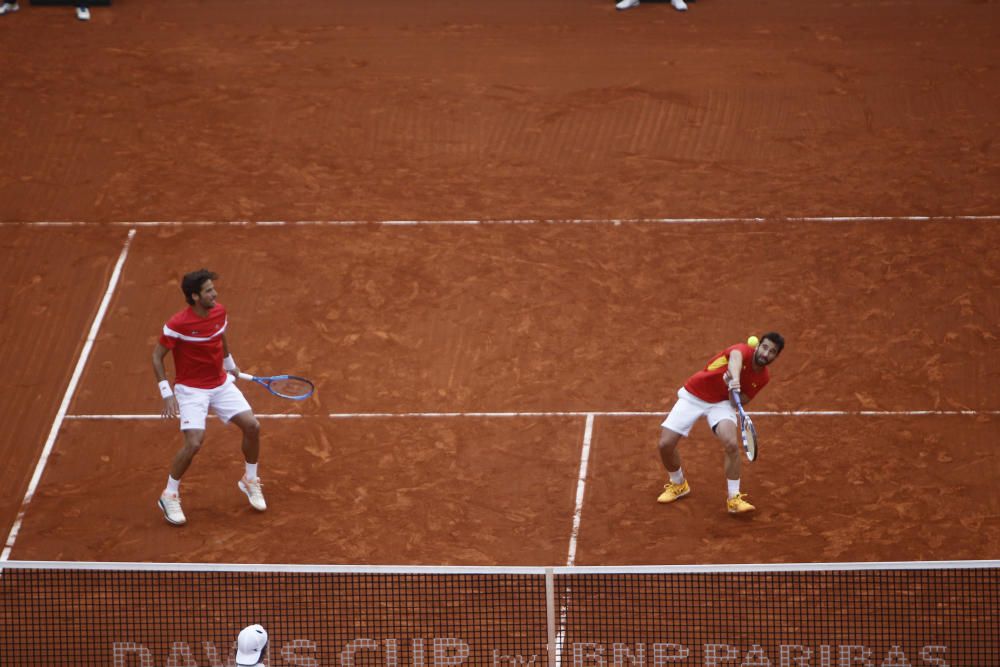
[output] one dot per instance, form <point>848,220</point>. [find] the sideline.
<point>588,434</point>
<point>67,397</point>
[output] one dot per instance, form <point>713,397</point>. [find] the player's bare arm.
<point>169,409</point>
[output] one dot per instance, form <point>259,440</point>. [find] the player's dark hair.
<point>192,282</point>
<point>776,338</point>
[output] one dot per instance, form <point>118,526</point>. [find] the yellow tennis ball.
<point>752,341</point>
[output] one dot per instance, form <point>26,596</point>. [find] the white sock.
<point>734,487</point>
<point>677,476</point>
<point>251,471</point>
<point>173,485</point>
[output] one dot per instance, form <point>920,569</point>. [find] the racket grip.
<point>245,376</point>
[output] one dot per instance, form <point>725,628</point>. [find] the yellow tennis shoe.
<point>738,504</point>
<point>672,492</point>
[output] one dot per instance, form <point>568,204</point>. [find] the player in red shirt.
<point>706,393</point>
<point>205,380</point>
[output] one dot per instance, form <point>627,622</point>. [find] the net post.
<point>550,615</point>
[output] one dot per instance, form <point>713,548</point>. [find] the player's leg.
<point>232,407</point>
<point>193,408</point>
<point>677,425</point>
<point>677,486</point>
<point>723,421</point>
<point>726,433</point>
<point>248,424</point>
<point>668,448</point>
<point>193,439</point>
<point>170,498</point>
<point>250,484</point>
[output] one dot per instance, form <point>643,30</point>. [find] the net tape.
<point>180,616</point>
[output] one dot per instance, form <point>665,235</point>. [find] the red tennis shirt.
<point>708,385</point>
<point>197,346</point>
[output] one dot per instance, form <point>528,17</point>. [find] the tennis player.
<point>251,646</point>
<point>706,394</point>
<point>205,380</point>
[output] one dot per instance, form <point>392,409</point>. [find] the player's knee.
<point>668,441</point>
<point>250,426</point>
<point>731,446</point>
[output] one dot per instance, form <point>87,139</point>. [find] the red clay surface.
<point>439,110</point>
<point>53,283</point>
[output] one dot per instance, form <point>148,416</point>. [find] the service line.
<point>572,413</point>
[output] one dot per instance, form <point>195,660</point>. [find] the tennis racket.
<point>285,386</point>
<point>747,430</point>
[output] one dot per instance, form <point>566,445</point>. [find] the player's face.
<point>766,352</point>
<point>206,297</point>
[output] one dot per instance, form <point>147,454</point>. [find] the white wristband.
<point>228,364</point>
<point>165,391</point>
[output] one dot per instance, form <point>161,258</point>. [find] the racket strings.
<point>749,439</point>
<point>291,387</point>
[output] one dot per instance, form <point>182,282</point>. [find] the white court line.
<point>575,413</point>
<point>527,221</point>
<point>67,397</point>
<point>581,483</point>
<point>151,417</point>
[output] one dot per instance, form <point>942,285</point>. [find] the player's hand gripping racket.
<point>285,386</point>
<point>747,430</point>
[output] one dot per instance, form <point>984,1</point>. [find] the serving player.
<point>205,380</point>
<point>739,367</point>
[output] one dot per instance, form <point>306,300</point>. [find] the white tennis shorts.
<point>226,401</point>
<point>689,408</point>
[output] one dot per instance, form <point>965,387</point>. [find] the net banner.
<point>153,615</point>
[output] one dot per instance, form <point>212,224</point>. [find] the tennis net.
<point>811,615</point>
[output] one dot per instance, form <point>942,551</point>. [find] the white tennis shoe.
<point>627,4</point>
<point>83,13</point>
<point>255,492</point>
<point>170,503</point>
<point>9,8</point>
<point>679,5</point>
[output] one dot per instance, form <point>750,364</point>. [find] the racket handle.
<point>245,376</point>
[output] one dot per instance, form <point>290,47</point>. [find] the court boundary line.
<point>581,485</point>
<point>67,397</point>
<point>557,641</point>
<point>560,413</point>
<point>510,221</point>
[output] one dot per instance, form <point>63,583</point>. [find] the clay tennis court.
<point>564,115</point>
<point>517,320</point>
<point>827,170</point>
